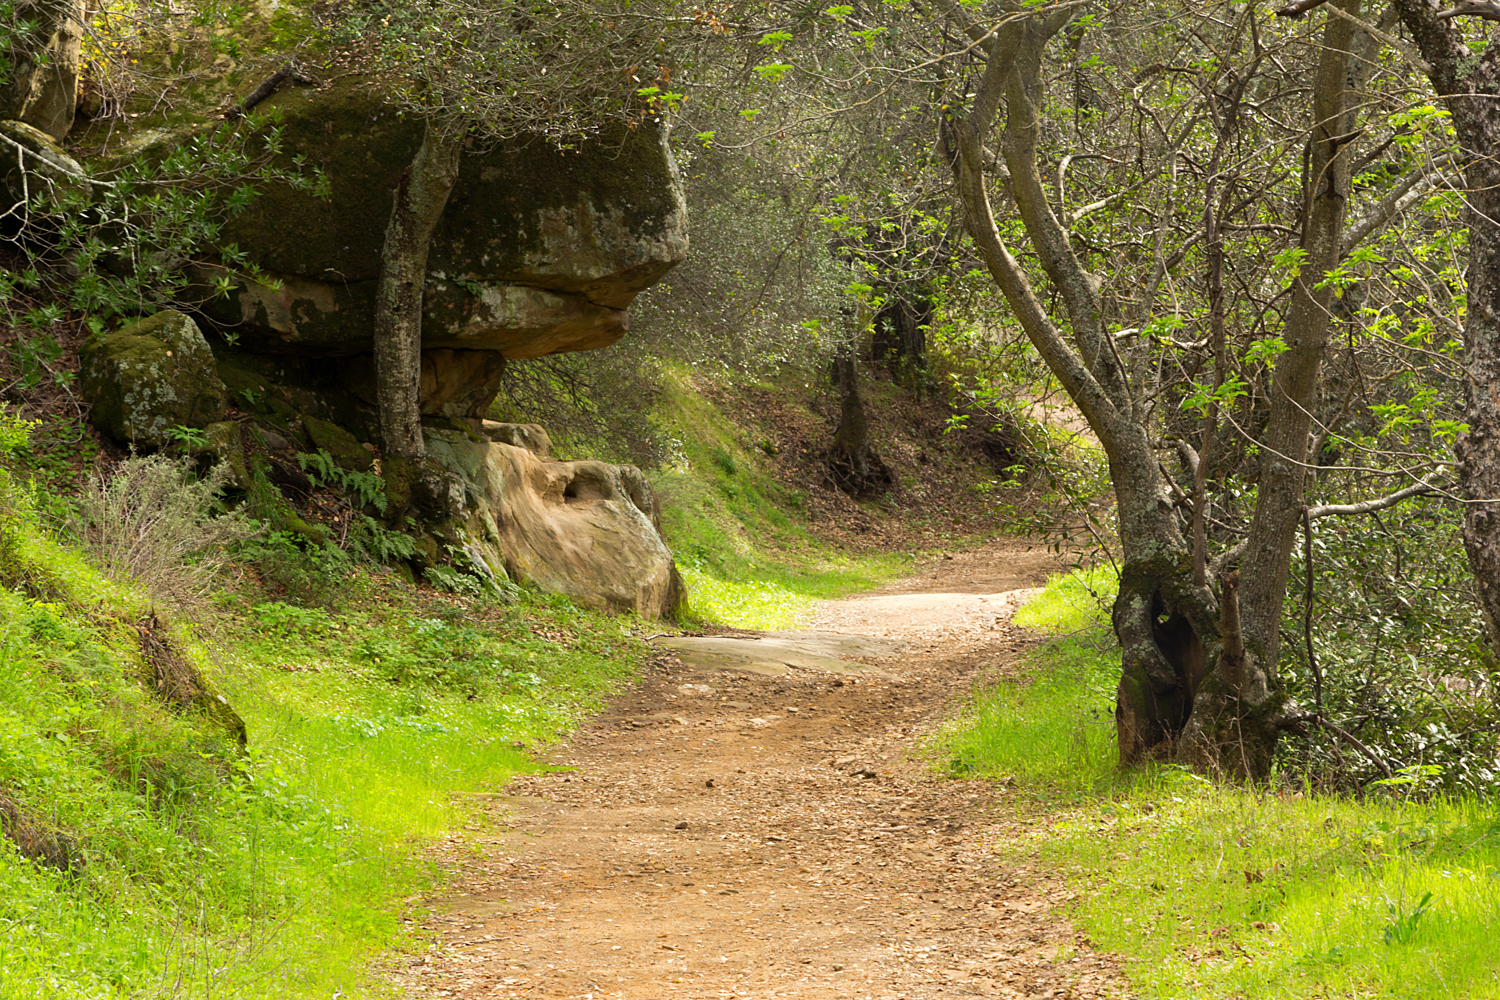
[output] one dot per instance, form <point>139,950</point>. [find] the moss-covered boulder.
<point>38,168</point>
<point>344,448</point>
<point>150,377</point>
<point>603,218</point>
<point>540,249</point>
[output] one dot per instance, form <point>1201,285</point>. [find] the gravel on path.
<point>723,834</point>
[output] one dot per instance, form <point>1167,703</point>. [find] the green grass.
<point>281,870</point>
<point>746,559</point>
<point>1220,891</point>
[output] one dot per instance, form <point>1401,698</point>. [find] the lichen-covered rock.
<point>585,529</point>
<point>43,169</point>
<point>222,442</point>
<point>539,251</point>
<point>604,218</point>
<point>152,376</point>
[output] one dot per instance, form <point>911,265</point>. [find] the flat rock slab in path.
<point>775,654</point>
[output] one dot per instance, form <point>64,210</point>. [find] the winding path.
<point>751,822</point>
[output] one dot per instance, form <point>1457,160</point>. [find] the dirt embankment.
<point>765,833</point>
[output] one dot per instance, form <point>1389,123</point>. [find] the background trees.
<point>1229,236</point>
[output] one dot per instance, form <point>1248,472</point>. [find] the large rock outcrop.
<point>540,249</point>
<point>586,529</point>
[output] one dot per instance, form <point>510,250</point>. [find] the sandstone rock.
<point>604,218</point>
<point>307,316</point>
<point>454,384</point>
<point>152,376</point>
<point>584,529</point>
<point>533,437</point>
<point>41,86</point>
<point>539,251</point>
<point>39,168</point>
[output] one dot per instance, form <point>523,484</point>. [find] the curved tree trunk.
<point>1197,683</point>
<point>419,200</point>
<point>1469,83</point>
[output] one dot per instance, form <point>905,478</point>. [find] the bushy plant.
<point>1398,639</point>
<point>154,523</point>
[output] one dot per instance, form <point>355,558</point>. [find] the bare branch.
<point>1300,7</point>
<point>1488,9</point>
<point>1428,484</point>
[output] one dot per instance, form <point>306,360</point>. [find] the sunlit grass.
<point>284,869</point>
<point>1219,891</point>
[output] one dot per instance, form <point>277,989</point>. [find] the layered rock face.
<point>539,251</point>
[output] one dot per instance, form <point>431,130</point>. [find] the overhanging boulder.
<point>540,249</point>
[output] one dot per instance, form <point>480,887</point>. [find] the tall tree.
<point>1467,82</point>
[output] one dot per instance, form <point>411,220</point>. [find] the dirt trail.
<point>759,834</point>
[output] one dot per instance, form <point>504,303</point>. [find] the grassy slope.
<point>285,869</point>
<point>745,556</point>
<point>1214,891</point>
<point>280,868</point>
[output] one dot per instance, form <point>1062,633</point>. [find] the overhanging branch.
<point>1428,484</point>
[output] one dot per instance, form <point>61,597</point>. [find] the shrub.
<point>153,523</point>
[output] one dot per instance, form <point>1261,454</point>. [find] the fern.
<point>373,541</point>
<point>365,487</point>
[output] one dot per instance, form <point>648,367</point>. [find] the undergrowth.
<point>1220,891</point>
<point>147,853</point>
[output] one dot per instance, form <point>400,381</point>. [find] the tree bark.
<point>1469,84</point>
<point>1294,386</point>
<point>856,468</point>
<point>420,197</point>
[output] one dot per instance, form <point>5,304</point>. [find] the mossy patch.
<point>152,376</point>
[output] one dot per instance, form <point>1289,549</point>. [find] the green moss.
<point>152,376</point>
<point>363,146</point>
<point>343,446</point>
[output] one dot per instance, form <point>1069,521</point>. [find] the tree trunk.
<point>1457,73</point>
<point>900,339</point>
<point>854,465</point>
<point>420,197</point>
<point>1198,676</point>
<point>1294,386</point>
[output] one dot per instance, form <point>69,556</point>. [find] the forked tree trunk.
<point>1196,682</point>
<point>420,197</point>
